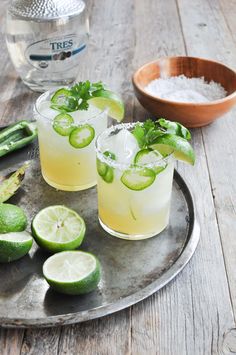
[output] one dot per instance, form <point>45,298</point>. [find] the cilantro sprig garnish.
<point>146,133</point>
<point>76,97</point>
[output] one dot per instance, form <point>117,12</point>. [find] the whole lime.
<point>12,218</point>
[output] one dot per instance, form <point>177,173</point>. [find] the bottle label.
<point>56,54</point>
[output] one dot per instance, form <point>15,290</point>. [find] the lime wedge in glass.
<point>72,272</point>
<point>12,218</point>
<point>14,246</point>
<point>180,147</point>
<point>138,180</point>
<point>62,124</point>
<point>105,99</point>
<point>150,156</point>
<point>82,136</point>
<point>58,228</point>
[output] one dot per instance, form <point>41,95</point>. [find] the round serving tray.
<point>131,270</point>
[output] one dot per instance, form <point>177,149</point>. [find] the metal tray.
<point>131,271</point>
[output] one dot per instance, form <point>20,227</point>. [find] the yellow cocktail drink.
<point>66,144</point>
<point>134,185</point>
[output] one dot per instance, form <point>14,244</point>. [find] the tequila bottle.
<point>46,40</point>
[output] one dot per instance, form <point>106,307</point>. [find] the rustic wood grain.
<point>184,318</point>
<point>192,314</point>
<point>110,55</point>
<point>11,341</point>
<point>41,342</point>
<point>219,138</point>
<point>105,336</point>
<point>228,10</point>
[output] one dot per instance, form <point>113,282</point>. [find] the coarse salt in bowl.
<point>189,90</point>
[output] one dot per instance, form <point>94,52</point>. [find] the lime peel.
<point>14,245</point>
<point>105,99</point>
<point>180,147</point>
<point>12,218</point>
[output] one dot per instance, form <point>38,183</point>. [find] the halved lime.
<point>62,124</point>
<point>82,136</point>
<point>106,99</point>
<point>179,146</point>
<point>12,218</point>
<point>57,228</point>
<point>72,272</point>
<point>150,156</point>
<point>104,170</point>
<point>14,246</point>
<point>138,180</point>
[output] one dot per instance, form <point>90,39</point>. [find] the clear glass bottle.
<point>46,40</point>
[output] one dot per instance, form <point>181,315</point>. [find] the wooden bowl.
<point>189,114</point>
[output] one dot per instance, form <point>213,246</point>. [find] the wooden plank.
<point>16,104</point>
<point>228,9</point>
<point>105,336</point>
<point>10,341</point>
<point>41,341</point>
<point>220,137</point>
<point>110,59</point>
<point>206,32</point>
<point>185,317</point>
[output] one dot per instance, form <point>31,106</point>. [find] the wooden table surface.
<point>195,313</point>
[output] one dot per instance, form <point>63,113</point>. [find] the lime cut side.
<point>179,146</point>
<point>58,228</point>
<point>138,179</point>
<point>106,99</point>
<point>62,124</point>
<point>72,272</point>
<point>150,156</point>
<point>82,136</point>
<point>14,246</point>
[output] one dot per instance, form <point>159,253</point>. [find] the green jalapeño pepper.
<point>17,136</point>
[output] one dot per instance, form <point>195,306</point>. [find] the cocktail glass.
<point>67,154</point>
<point>133,199</point>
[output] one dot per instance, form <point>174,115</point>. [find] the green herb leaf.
<point>75,98</point>
<point>139,134</point>
<point>146,133</point>
<point>174,128</point>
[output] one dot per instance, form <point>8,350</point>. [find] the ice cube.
<point>46,111</point>
<point>124,145</point>
<point>86,115</point>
